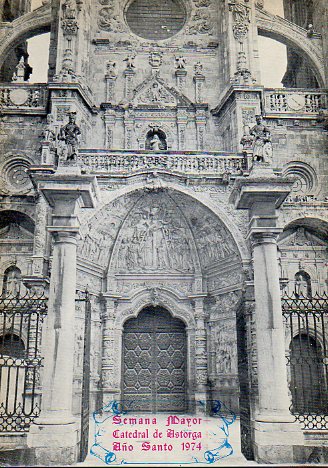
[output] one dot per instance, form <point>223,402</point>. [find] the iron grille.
<point>306,320</point>
<point>21,319</point>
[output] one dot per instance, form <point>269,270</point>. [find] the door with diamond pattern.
<point>154,362</point>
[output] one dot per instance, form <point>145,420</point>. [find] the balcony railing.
<point>294,101</point>
<point>23,98</point>
<point>127,162</point>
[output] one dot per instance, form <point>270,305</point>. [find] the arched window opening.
<point>156,140</point>
<point>12,280</point>
<point>12,345</point>
<point>28,62</point>
<point>38,50</point>
<point>306,379</point>
<point>290,70</point>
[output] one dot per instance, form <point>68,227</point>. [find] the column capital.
<point>260,236</point>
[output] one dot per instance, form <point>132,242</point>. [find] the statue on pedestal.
<point>69,134</point>
<point>262,146</point>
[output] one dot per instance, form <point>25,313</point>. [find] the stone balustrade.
<point>127,162</point>
<point>23,98</point>
<point>305,102</point>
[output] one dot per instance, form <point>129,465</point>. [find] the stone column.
<point>110,388</point>
<point>199,81</point>
<point>201,394</point>
<point>129,128</point>
<point>180,75</point>
<point>129,75</point>
<point>275,430</point>
<point>54,436</point>
<point>200,127</point>
<point>182,120</point>
<point>109,119</point>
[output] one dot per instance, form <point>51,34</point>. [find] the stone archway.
<point>167,248</point>
<point>154,373</point>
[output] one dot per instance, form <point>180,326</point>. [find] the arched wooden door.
<point>154,362</point>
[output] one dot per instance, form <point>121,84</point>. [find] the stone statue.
<point>13,283</point>
<point>69,134</point>
<point>247,139</point>
<point>111,70</point>
<point>69,11</point>
<point>48,135</point>
<point>180,62</point>
<point>301,286</point>
<point>262,146</point>
<point>155,143</point>
<point>198,67</point>
<point>130,62</point>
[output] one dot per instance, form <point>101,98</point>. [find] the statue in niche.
<point>262,146</point>
<point>302,285</point>
<point>69,134</point>
<point>180,62</point>
<point>156,140</point>
<point>155,143</point>
<point>12,281</point>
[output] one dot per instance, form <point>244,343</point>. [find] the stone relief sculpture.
<point>69,134</point>
<point>154,240</point>
<point>226,351</point>
<point>262,146</point>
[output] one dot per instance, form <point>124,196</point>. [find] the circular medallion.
<point>156,19</point>
<point>18,96</point>
<point>17,177</point>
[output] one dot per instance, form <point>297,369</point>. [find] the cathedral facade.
<point>168,214</point>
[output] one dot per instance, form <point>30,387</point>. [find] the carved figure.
<point>155,143</point>
<point>155,59</point>
<point>247,139</point>
<point>198,67</point>
<point>48,135</point>
<point>262,147</point>
<point>69,11</point>
<point>13,282</point>
<point>111,70</point>
<point>153,241</point>
<point>130,62</point>
<point>180,62</point>
<point>69,134</point>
